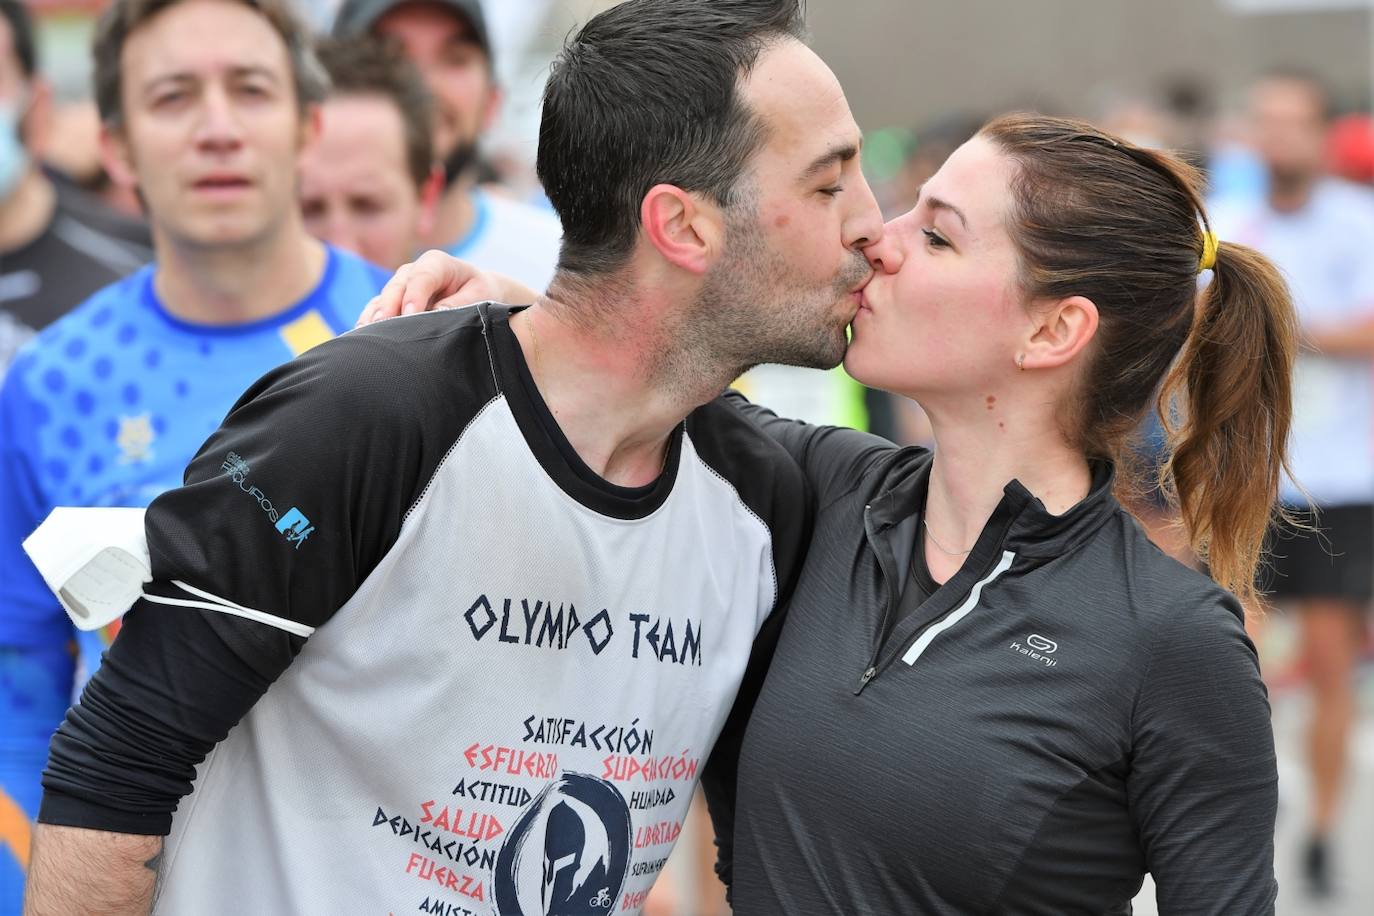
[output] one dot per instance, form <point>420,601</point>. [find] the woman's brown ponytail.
<point>1232,389</point>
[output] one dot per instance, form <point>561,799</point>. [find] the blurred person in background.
<point>108,405</point>
<point>73,155</point>
<point>1320,231</point>
<point>369,183</point>
<point>449,43</point>
<point>56,248</point>
<point>1189,103</point>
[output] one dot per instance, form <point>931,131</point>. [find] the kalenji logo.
<point>1037,648</point>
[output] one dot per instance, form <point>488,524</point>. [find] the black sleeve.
<point>774,487</point>
<point>833,458</point>
<point>285,511</point>
<point>1203,785</point>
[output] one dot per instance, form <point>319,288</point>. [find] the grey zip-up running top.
<point>1069,711</point>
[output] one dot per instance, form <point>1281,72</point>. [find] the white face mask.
<point>14,158</point>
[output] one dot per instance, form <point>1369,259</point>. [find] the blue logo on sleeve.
<point>295,526</point>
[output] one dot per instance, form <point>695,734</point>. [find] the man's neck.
<point>603,387</point>
<point>237,284</point>
<point>1290,194</point>
<point>28,211</point>
<point>456,215</point>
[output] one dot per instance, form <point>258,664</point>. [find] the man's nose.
<point>219,125</point>
<point>865,227</point>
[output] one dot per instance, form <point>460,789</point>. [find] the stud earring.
<point>1021,361</point>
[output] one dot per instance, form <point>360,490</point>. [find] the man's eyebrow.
<point>255,70</point>
<point>936,203</point>
<point>831,156</point>
<point>180,76</point>
<point>186,76</point>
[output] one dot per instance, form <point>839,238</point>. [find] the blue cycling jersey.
<point>106,407</point>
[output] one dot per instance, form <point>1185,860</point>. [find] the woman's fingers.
<point>437,280</point>
<point>418,286</point>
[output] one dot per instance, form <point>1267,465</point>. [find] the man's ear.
<point>685,231</point>
<point>1062,330</point>
<point>496,100</point>
<point>312,124</point>
<point>36,124</point>
<point>117,157</point>
<point>430,192</point>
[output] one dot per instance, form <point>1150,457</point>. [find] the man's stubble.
<point>751,310</point>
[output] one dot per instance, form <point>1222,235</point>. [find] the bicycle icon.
<point>603,898</point>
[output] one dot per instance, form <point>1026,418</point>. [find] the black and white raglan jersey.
<point>1071,710</point>
<point>443,666</point>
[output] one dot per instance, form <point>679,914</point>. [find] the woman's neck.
<point>976,456</point>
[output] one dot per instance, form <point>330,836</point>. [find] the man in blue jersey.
<point>110,403</point>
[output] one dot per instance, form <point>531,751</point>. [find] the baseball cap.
<point>356,17</point>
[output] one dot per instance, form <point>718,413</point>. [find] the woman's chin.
<point>858,366</point>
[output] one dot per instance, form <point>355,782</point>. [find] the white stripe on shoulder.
<point>928,637</point>
<point>225,606</point>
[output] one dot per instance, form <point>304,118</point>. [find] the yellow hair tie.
<point>1209,251</point>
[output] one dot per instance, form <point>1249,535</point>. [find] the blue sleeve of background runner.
<point>29,614</point>
<point>355,283</point>
<point>36,665</point>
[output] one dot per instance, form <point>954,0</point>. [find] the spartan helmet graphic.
<point>569,853</point>
<point>564,841</point>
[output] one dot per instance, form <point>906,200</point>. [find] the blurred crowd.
<point>236,187</point>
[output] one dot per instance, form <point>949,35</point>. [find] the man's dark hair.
<point>21,27</point>
<point>124,17</point>
<point>364,65</point>
<point>647,93</point>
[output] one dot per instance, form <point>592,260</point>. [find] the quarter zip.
<point>890,598</point>
<point>998,560</point>
<point>933,629</point>
<point>1040,535</point>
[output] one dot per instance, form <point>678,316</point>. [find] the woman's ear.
<point>1061,330</point>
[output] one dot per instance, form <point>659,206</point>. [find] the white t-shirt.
<point>1326,253</point>
<point>512,238</point>
<point>487,680</point>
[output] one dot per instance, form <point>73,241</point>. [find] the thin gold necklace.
<point>941,547</point>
